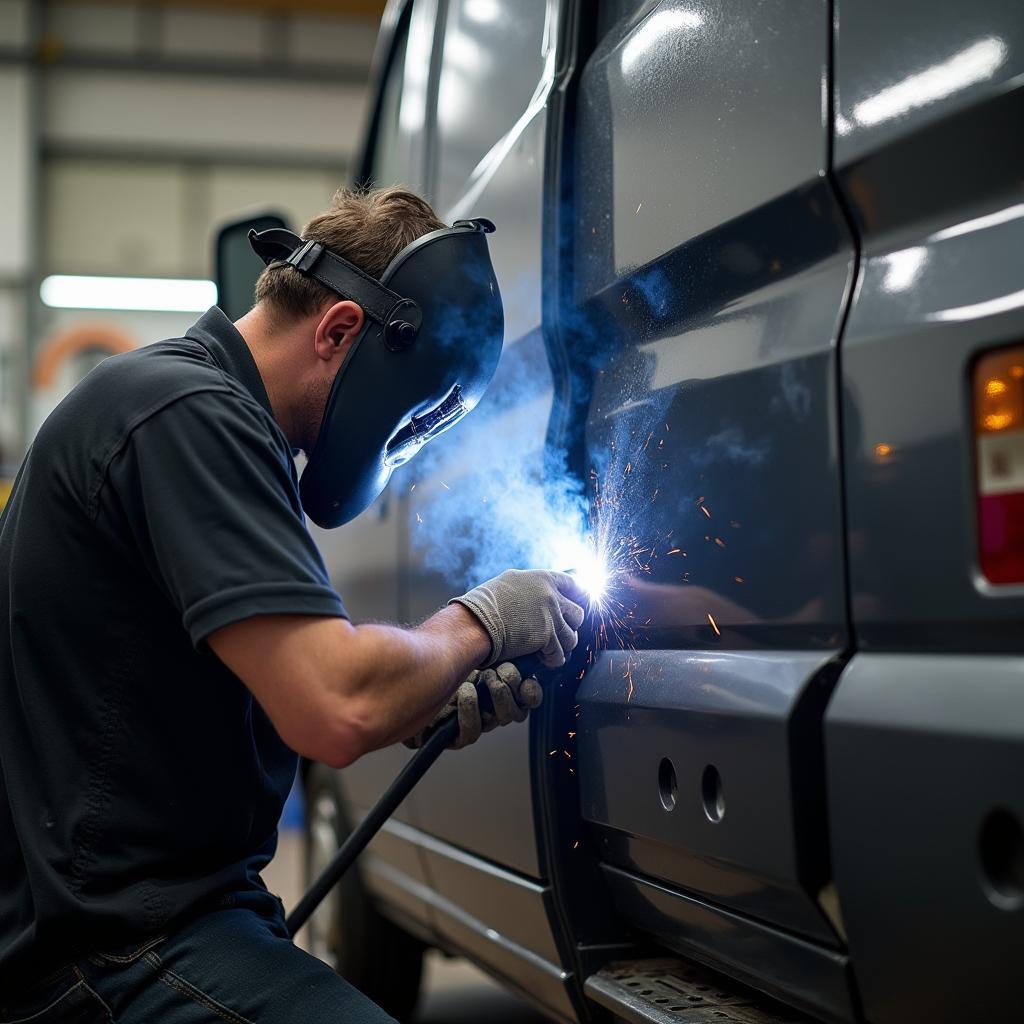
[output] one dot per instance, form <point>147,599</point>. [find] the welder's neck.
<point>277,351</point>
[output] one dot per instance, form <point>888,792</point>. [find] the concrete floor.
<point>454,992</point>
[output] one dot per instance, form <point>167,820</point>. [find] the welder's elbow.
<point>344,738</point>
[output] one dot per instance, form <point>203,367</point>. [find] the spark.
<point>720,542</point>
<point>413,488</point>
<point>636,212</point>
<point>705,511</point>
<point>714,625</point>
<point>674,551</point>
<point>551,753</point>
<point>445,486</point>
<point>419,518</point>
<point>576,845</point>
<point>738,579</point>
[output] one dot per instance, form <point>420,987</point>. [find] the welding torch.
<point>437,741</point>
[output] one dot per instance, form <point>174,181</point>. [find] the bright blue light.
<point>584,561</point>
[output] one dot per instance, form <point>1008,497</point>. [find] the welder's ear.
<point>338,328</point>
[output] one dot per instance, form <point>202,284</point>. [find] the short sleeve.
<point>208,490</point>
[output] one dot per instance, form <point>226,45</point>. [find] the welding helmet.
<point>428,348</point>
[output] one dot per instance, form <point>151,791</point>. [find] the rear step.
<point>670,991</point>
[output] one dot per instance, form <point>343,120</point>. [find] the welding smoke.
<point>487,497</point>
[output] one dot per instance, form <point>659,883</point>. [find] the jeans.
<point>231,966</point>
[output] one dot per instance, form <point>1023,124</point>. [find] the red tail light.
<point>999,439</point>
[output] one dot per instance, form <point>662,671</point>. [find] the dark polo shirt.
<point>139,780</point>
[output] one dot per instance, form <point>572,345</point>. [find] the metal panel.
<point>925,761</point>
<point>712,267</point>
<point>901,65</point>
<point>724,712</point>
<point>477,887</point>
<point>507,186</point>
<point>773,961</point>
<point>942,233</point>
<point>714,109</point>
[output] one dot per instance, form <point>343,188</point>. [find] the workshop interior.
<point>721,335</point>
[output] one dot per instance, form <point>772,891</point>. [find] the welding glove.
<point>487,699</point>
<point>528,611</point>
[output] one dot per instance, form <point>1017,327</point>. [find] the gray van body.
<point>751,250</point>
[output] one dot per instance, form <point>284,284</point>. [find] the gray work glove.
<point>527,611</point>
<point>487,699</point>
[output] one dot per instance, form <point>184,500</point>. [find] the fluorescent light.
<point>66,291</point>
<point>970,65</point>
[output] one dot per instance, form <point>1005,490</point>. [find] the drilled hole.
<point>1001,850</point>
<point>667,784</point>
<point>712,794</point>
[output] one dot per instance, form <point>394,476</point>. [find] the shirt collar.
<point>219,336</point>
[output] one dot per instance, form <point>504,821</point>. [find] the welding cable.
<point>416,767</point>
<point>437,741</point>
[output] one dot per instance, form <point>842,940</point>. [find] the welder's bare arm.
<point>335,691</point>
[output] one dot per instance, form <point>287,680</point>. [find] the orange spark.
<point>738,579</point>
<point>705,511</point>
<point>720,542</point>
<point>714,625</point>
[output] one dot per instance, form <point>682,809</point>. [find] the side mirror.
<point>236,265</point>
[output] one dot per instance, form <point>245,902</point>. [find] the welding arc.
<point>417,766</point>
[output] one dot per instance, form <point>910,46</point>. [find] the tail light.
<point>999,437</point>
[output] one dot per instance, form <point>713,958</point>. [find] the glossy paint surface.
<point>713,268</point>
<point>694,710</point>
<point>924,728</point>
<point>715,109</point>
<point>902,66</point>
<point>926,752</point>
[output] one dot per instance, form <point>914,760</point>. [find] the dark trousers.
<point>231,966</point>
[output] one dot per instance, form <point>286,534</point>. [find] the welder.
<point>171,641</point>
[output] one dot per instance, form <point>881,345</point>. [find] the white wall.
<point>140,127</point>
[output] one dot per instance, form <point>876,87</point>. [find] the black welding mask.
<point>428,348</point>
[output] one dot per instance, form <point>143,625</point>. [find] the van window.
<point>493,60</point>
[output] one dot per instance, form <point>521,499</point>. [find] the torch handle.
<point>415,768</point>
<point>437,741</point>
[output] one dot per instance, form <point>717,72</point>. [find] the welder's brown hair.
<point>369,227</point>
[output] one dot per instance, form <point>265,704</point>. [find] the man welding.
<point>171,640</point>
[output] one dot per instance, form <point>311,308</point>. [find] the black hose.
<point>414,770</point>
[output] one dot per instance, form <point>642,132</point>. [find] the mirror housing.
<point>236,266</point>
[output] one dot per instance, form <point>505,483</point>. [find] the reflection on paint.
<point>989,220</point>
<point>482,11</point>
<point>990,307</point>
<point>903,268</point>
<point>973,64</point>
<point>654,31</point>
